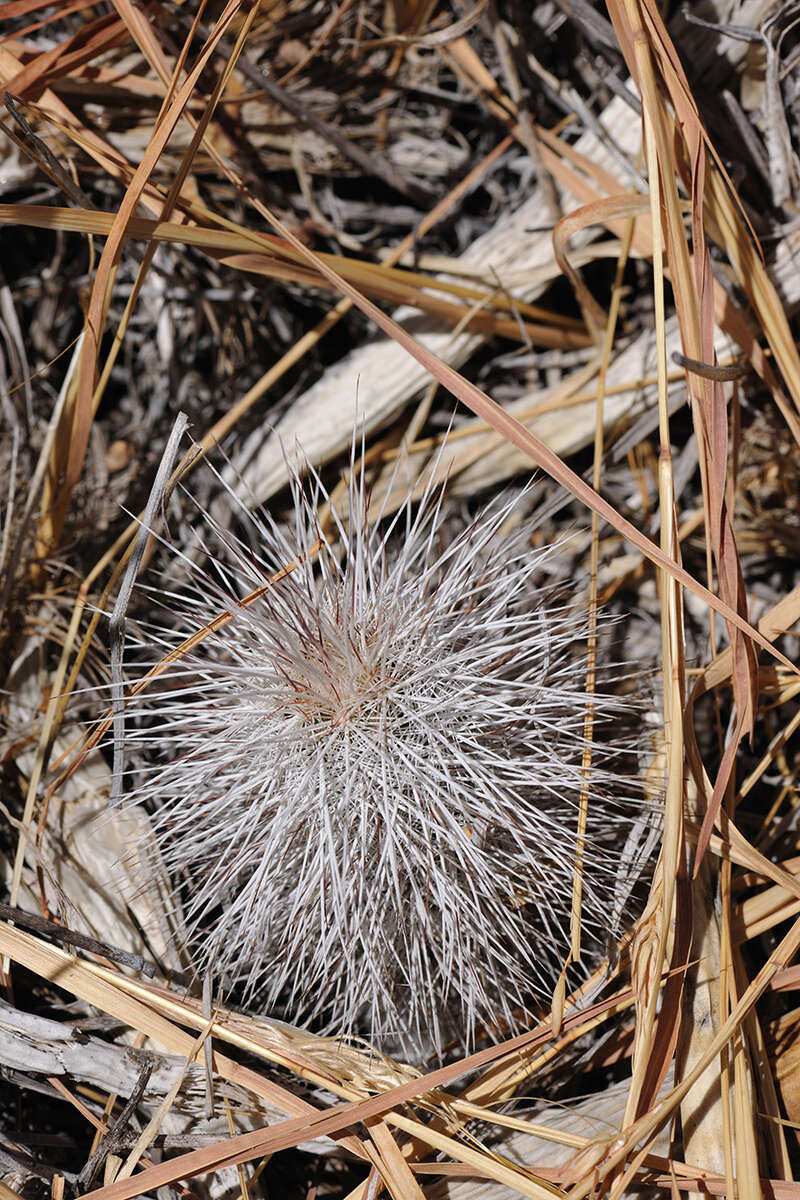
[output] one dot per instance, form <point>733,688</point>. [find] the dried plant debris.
<point>440,680</point>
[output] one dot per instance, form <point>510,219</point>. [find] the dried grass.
<point>165,121</point>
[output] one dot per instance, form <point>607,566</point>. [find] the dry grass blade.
<point>658,74</point>
<point>96,37</point>
<point>95,985</point>
<point>693,284</point>
<point>111,996</point>
<point>276,260</point>
<point>646,1125</point>
<point>242,163</point>
<point>484,407</point>
<point>79,417</point>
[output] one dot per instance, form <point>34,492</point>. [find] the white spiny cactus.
<point>365,784</point>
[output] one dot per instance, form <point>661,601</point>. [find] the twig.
<point>70,937</point>
<point>43,156</point>
<point>117,623</point>
<point>371,164</point>
<point>114,1138</point>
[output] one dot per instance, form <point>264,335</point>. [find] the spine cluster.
<point>365,786</point>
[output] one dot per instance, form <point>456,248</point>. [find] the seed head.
<point>366,784</point>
